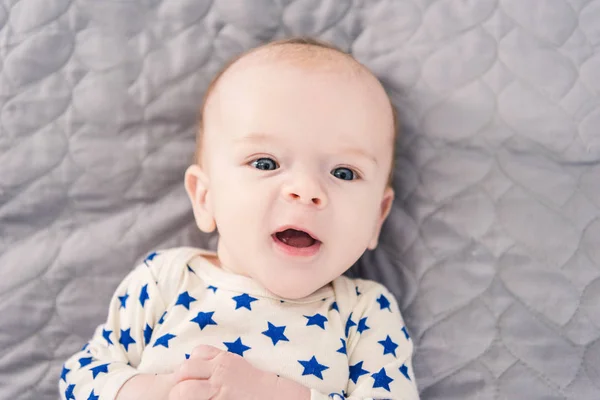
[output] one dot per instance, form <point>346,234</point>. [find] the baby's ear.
<point>196,186</point>
<point>386,206</point>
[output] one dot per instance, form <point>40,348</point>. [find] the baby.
<point>293,164</point>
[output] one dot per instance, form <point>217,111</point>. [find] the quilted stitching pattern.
<point>493,246</point>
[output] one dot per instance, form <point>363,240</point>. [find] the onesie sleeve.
<point>109,359</point>
<point>379,349</point>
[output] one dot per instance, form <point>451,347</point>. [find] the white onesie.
<point>345,341</point>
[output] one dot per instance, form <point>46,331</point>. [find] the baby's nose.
<point>305,191</point>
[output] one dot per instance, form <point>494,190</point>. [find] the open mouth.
<point>295,238</point>
<point>295,242</point>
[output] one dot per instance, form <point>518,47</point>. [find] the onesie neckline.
<point>220,277</point>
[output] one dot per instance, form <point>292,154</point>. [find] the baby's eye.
<point>343,173</point>
<point>265,164</point>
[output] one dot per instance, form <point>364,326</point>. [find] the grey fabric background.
<point>493,246</point>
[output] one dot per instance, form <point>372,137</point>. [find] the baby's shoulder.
<point>356,293</point>
<point>169,266</point>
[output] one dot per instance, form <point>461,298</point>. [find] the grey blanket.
<point>493,245</point>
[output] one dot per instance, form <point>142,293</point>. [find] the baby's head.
<point>293,165</point>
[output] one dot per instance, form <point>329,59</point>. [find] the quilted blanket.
<point>493,245</point>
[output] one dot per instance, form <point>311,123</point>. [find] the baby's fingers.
<point>194,369</point>
<point>192,390</point>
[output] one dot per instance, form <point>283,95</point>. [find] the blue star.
<point>384,303</point>
<point>404,370</point>
<point>126,338</point>
<point>381,380</point>
<point>93,396</point>
<point>85,346</point>
<point>203,319</point>
<point>316,319</point>
<point>213,288</point>
<point>356,371</point>
<point>190,269</point>
<point>276,333</point>
<point>164,340</point>
<point>185,299</point>
<point>343,348</point>
<point>144,295</point>
<point>389,347</point>
<point>106,335</point>
<point>244,300</point>
<point>162,318</point>
<point>150,257</point>
<point>69,392</point>
<point>147,333</point>
<point>334,306</point>
<point>85,361</point>
<point>362,325</point>
<point>187,356</point>
<point>312,367</point>
<point>237,347</point>
<point>349,324</point>
<point>123,300</point>
<point>406,333</point>
<point>357,292</point>
<point>63,374</point>
<point>98,369</point>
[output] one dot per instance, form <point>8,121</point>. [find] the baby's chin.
<point>290,290</point>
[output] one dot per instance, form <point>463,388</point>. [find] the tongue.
<point>295,238</point>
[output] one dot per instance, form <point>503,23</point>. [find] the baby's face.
<point>297,162</point>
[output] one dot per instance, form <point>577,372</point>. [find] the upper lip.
<point>297,228</point>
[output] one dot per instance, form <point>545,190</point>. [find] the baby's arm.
<point>104,364</point>
<point>379,350</point>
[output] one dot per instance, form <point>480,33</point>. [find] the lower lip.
<point>296,251</point>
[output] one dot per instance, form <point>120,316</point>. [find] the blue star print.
<point>185,299</point>
<point>150,257</point>
<point>237,347</point>
<point>98,369</point>
<point>404,369</point>
<point>244,300</point>
<point>147,333</point>
<point>389,347</point>
<point>356,371</point>
<point>190,269</point>
<point>144,295</point>
<point>334,306</point>
<point>362,325</point>
<point>85,361</point>
<point>316,319</point>
<point>349,324</point>
<point>63,374</point>
<point>106,335</point>
<point>69,392</point>
<point>92,396</point>
<point>123,300</point>
<point>276,333</point>
<point>343,348</point>
<point>357,291</point>
<point>384,303</point>
<point>126,338</point>
<point>85,346</point>
<point>312,367</point>
<point>162,318</point>
<point>203,319</point>
<point>381,380</point>
<point>164,340</point>
<point>213,288</point>
<point>405,333</point>
<point>187,356</point>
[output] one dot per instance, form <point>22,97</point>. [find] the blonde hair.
<point>305,42</point>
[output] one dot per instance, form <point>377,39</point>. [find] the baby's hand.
<point>213,374</point>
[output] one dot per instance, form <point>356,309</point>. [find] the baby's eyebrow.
<point>255,137</point>
<point>356,151</point>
